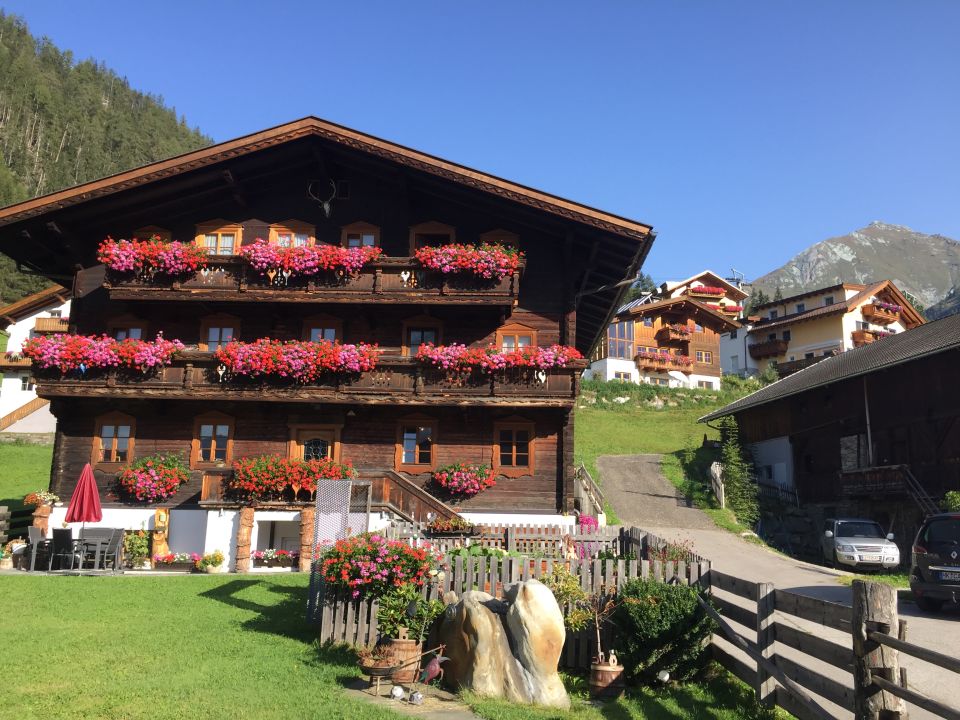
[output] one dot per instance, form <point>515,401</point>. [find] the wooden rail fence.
<point>14,523</point>
<point>343,620</point>
<point>860,674</point>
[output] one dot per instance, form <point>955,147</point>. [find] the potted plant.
<point>585,609</point>
<point>211,562</point>
<point>136,548</point>
<point>6,559</point>
<point>403,618</point>
<point>271,558</point>
<point>451,526</point>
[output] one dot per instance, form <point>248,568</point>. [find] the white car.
<point>858,543</point>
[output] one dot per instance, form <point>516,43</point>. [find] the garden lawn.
<point>224,646</point>
<point>23,468</point>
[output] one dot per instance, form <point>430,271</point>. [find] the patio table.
<point>97,546</point>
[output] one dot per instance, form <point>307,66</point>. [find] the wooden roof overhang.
<point>57,234</point>
<point>25,307</point>
<point>685,307</point>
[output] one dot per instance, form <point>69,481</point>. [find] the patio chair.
<point>113,553</point>
<point>63,549</point>
<point>96,545</point>
<point>37,545</point>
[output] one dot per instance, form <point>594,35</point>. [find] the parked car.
<point>935,562</point>
<point>858,543</point>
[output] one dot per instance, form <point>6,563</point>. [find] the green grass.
<point>170,647</point>
<point>719,696</point>
<point>898,580</point>
<point>23,468</point>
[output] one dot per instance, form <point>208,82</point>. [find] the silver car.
<point>858,543</point>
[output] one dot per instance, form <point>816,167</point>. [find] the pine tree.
<point>739,488</point>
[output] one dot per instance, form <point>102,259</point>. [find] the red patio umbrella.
<point>85,502</point>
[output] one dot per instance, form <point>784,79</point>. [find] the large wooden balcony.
<point>396,381</point>
<point>386,280</point>
<point>768,348</point>
<point>661,362</point>
<point>51,325</point>
<point>879,315</point>
<point>14,362</point>
<point>668,334</point>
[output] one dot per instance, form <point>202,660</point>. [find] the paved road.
<point>641,496</point>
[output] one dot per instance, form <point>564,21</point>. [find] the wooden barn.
<point>873,431</point>
<point>314,184</point>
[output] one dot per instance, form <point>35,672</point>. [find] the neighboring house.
<point>313,183</point>
<point>671,337</point>
<point>801,330</point>
<point>44,312</point>
<point>872,432</point>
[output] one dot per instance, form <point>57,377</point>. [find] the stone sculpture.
<point>507,648</point>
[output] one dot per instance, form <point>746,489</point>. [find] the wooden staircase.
<point>21,412</point>
<point>393,492</point>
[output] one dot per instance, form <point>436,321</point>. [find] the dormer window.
<point>773,314</point>
<point>360,234</point>
<point>828,300</point>
<point>219,238</point>
<point>292,233</point>
<point>801,307</point>
<point>431,234</point>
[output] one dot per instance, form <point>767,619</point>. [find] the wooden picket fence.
<point>354,622</point>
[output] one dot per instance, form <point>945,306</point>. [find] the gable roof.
<point>912,319</point>
<point>25,307</point>
<point>312,126</point>
<point>929,339</point>
<point>808,293</point>
<point>654,308</point>
<point>671,286</point>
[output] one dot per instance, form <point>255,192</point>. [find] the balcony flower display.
<point>268,477</point>
<point>889,307</point>
<point>369,565</point>
<point>708,290</point>
<point>182,560</point>
<point>153,479</point>
<point>153,256</point>
<point>300,361</point>
<point>85,352</point>
<point>464,480</point>
<point>487,261</point>
<point>681,360</point>
<point>307,260</point>
<point>680,329</point>
<point>460,358</point>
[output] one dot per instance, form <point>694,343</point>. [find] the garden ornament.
<point>397,693</point>
<point>416,698</point>
<point>433,669</point>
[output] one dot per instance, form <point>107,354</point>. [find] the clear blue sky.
<point>743,131</point>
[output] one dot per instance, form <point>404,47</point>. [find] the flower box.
<point>488,262</point>
<point>179,567</point>
<point>272,558</point>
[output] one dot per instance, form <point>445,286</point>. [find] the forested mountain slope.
<point>64,122</point>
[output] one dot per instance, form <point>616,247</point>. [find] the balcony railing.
<point>50,325</point>
<point>230,278</point>
<point>769,348</point>
<point>671,334</point>
<point>11,362</point>
<point>709,292</point>
<point>396,380</point>
<point>661,362</point>
<point>880,315</point>
<point>865,337</point>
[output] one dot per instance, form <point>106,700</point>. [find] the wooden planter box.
<point>175,567</point>
<point>275,563</point>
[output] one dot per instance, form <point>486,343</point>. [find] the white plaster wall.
<point>519,519</point>
<point>39,421</point>
<point>188,531</point>
<point>11,396</point>
<point>605,369</point>
<point>694,379</point>
<point>738,346</point>
<point>777,453</point>
<point>126,518</point>
<point>221,534</point>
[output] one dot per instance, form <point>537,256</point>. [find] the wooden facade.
<point>264,186</point>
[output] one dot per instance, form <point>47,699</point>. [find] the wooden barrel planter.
<point>403,653</point>
<point>606,680</point>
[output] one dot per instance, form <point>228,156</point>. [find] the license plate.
<point>954,576</point>
<point>871,558</point>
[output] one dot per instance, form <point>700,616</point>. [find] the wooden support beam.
<point>875,610</point>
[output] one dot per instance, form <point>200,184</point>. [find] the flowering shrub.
<point>466,480</point>
<point>302,362</point>
<point>370,565</point>
<point>284,558</point>
<point>266,477</point>
<point>307,260</point>
<point>889,307</point>
<point>488,261</point>
<point>153,478</point>
<point>171,558</point>
<point>588,523</point>
<point>708,290</point>
<point>41,497</point>
<point>85,352</point>
<point>146,257</point>
<point>463,359</point>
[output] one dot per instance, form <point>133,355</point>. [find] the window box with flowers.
<point>152,479</point>
<point>486,263</point>
<point>460,358</point>
<point>273,558</point>
<point>294,361</point>
<point>444,527</point>
<point>326,264</point>
<point>274,478</point>
<point>147,259</point>
<point>462,481</point>
<point>175,562</point>
<point>81,354</point>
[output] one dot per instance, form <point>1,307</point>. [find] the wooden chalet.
<point>312,182</point>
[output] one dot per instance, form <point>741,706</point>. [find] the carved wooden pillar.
<point>566,461</point>
<point>41,518</point>
<point>243,539</point>
<point>307,517</point>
